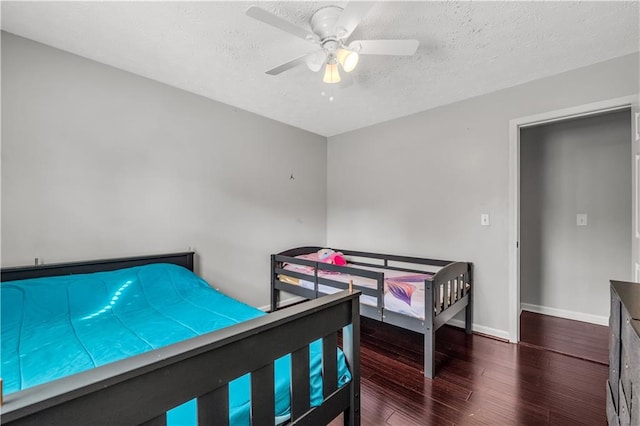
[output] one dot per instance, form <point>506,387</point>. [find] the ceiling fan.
<point>331,27</point>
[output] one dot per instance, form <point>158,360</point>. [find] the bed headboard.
<point>184,259</point>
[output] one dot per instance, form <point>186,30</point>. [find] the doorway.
<point>575,227</point>
<point>626,106</point>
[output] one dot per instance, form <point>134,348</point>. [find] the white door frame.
<point>514,188</point>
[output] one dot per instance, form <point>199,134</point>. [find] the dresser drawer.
<point>623,410</point>
<point>614,366</point>
<point>612,413</point>
<point>614,314</point>
<point>630,339</point>
<point>625,375</point>
<point>625,322</point>
<point>634,408</point>
<point>631,373</point>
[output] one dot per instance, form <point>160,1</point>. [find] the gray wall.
<point>97,162</point>
<point>577,166</point>
<point>417,185</point>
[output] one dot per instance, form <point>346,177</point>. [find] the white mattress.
<point>415,309</point>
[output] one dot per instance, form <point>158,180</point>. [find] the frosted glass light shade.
<point>316,60</point>
<point>348,59</point>
<point>331,74</point>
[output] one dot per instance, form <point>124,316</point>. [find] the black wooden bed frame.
<point>454,278</point>
<point>142,388</point>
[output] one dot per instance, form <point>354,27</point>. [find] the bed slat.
<point>262,396</point>
<point>329,364</point>
<point>351,350</point>
<point>466,281</point>
<point>213,407</point>
<point>300,395</point>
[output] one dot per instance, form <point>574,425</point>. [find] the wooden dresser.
<point>623,386</point>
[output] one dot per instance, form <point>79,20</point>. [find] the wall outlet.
<point>484,219</point>
<point>581,219</point>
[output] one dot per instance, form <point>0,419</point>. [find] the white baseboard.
<point>562,313</point>
<point>283,303</point>
<point>500,334</point>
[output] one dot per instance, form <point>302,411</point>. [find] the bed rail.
<point>202,367</point>
<point>278,260</point>
<point>386,258</point>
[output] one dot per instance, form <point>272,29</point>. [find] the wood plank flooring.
<point>575,338</point>
<point>480,381</point>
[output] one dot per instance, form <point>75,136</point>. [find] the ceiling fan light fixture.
<point>316,60</point>
<point>331,28</point>
<point>331,74</point>
<point>348,59</point>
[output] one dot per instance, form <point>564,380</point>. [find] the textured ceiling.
<point>215,50</point>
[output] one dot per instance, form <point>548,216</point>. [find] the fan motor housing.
<point>323,22</point>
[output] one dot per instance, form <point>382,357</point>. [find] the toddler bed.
<point>418,294</point>
<point>139,346</point>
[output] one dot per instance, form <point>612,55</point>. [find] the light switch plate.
<point>484,219</point>
<point>581,219</point>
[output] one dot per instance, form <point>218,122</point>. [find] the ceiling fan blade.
<point>281,24</point>
<point>351,16</point>
<point>385,47</point>
<point>287,65</point>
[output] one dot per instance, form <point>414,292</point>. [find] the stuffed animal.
<point>327,255</point>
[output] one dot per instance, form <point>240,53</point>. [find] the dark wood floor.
<point>480,381</point>
<point>575,338</point>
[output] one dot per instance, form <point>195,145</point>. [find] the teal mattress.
<point>58,326</point>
